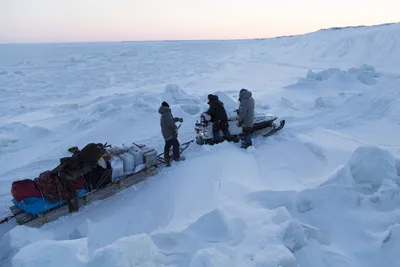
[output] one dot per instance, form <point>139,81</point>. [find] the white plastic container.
<point>129,162</point>
<point>139,159</point>
<point>117,166</point>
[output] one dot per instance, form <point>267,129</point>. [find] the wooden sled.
<point>152,165</point>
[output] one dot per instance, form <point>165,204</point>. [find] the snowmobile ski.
<point>275,129</point>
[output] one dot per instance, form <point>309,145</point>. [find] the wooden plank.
<point>15,210</point>
<point>23,217</point>
<point>114,188</point>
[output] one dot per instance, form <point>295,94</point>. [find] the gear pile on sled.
<point>58,192</point>
<point>264,125</point>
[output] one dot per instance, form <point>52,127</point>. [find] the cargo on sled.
<point>96,172</point>
<point>264,125</point>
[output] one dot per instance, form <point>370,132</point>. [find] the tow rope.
<point>6,219</point>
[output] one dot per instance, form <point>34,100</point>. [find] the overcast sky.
<point>116,20</point>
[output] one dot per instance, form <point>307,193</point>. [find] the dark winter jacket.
<point>216,110</point>
<point>246,110</point>
<point>167,123</point>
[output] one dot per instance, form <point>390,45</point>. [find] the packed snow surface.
<point>324,191</point>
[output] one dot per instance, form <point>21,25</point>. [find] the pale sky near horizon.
<point>117,20</point>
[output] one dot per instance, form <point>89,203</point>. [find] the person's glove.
<point>180,119</point>
<point>239,124</point>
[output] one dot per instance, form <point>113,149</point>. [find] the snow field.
<point>323,192</point>
<point>266,228</point>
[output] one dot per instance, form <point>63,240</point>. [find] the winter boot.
<point>246,141</point>
<point>167,161</point>
<point>245,144</point>
<point>73,205</point>
<point>181,158</point>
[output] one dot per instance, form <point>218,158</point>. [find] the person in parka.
<point>169,132</point>
<point>219,118</point>
<point>246,116</point>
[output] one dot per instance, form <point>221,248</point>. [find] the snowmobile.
<point>124,166</point>
<point>264,125</point>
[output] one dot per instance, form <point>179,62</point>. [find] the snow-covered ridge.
<point>358,27</point>
<point>344,48</point>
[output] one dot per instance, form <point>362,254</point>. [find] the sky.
<point>119,20</point>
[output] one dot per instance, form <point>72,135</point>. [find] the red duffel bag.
<point>79,183</point>
<point>23,189</point>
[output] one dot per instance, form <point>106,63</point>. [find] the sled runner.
<point>264,125</point>
<point>122,168</point>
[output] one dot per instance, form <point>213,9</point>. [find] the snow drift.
<point>367,183</point>
<point>365,74</point>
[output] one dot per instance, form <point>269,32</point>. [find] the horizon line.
<point>206,39</point>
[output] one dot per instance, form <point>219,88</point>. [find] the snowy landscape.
<point>324,191</point>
